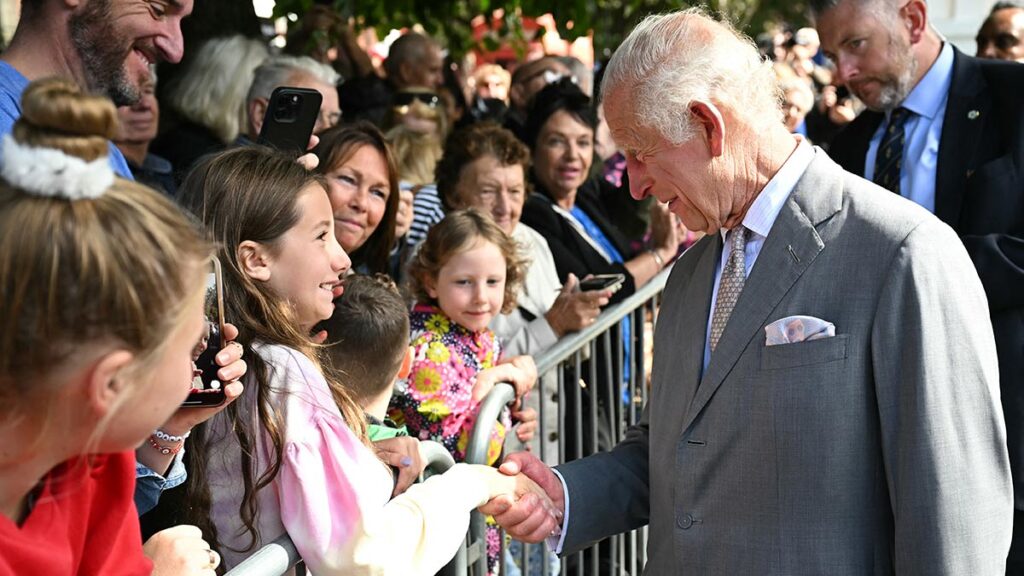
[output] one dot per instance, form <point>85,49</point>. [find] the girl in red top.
<point>101,283</point>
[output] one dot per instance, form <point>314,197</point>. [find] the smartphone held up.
<point>290,118</point>
<point>207,389</point>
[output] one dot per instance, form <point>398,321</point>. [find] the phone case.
<point>290,118</point>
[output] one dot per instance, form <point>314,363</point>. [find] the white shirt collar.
<point>766,207</point>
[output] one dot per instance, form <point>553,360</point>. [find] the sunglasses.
<point>407,98</point>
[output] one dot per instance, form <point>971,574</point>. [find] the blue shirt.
<point>12,84</point>
<point>759,220</point>
<point>923,132</point>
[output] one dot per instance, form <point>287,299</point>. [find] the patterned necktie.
<point>889,160</point>
<point>730,284</point>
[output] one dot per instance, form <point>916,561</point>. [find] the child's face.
<point>470,287</point>
<point>160,389</point>
<point>308,261</point>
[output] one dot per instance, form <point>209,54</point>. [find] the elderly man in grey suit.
<point>825,385</point>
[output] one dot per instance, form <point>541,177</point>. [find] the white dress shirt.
<point>759,220</point>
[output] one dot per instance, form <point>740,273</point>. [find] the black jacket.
<point>573,253</point>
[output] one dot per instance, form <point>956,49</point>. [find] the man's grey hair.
<point>278,70</point>
<point>211,92</point>
<point>584,74</point>
<point>671,60</point>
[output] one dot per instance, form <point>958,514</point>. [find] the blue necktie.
<point>889,160</point>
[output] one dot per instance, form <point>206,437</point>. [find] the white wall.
<point>959,20</point>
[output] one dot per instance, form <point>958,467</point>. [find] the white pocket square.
<point>792,329</point>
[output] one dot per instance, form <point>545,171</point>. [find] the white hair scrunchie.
<point>53,173</point>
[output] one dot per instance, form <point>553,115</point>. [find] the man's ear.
<point>257,110</point>
<point>914,16</point>
<point>406,368</point>
<point>710,125</point>
<point>254,259</point>
<point>105,381</point>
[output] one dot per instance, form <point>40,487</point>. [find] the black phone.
<point>290,118</point>
<point>207,389</point>
<point>602,282</point>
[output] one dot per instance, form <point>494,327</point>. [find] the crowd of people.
<point>837,359</point>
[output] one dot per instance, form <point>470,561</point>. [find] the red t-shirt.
<point>83,522</point>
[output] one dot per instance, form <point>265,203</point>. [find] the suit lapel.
<point>967,112</point>
<point>792,245</point>
<point>695,306</point>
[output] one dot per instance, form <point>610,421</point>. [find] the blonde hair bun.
<point>56,113</point>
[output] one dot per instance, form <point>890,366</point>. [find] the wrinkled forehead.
<point>625,127</point>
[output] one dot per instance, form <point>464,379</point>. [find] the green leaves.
<point>610,20</point>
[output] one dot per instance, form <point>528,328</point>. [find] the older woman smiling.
<point>484,167</point>
<point>566,207</point>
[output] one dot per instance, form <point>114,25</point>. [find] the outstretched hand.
<point>530,517</point>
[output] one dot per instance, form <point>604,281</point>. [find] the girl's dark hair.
<point>337,145</point>
<point>251,193</point>
<point>457,232</point>
<point>557,96</point>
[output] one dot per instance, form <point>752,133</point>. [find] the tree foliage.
<point>610,20</point>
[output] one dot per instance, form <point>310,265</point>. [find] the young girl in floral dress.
<point>466,272</point>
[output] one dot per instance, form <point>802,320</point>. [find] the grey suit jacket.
<point>878,451</point>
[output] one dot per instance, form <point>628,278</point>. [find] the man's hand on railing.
<point>574,310</point>
<point>403,454</point>
<point>529,517</point>
<point>519,371</point>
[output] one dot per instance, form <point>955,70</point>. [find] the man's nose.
<point>170,43</point>
<point>636,172</point>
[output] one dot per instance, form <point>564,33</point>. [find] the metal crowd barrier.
<point>280,556</point>
<point>572,371</point>
<point>599,351</point>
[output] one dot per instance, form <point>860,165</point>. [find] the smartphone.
<point>290,118</point>
<point>602,282</point>
<point>207,389</point>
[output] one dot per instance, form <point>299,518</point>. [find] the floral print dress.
<point>435,402</point>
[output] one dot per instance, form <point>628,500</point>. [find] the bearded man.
<point>944,130</point>
<point>106,46</point>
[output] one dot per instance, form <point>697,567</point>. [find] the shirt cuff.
<point>556,541</point>
<point>149,484</point>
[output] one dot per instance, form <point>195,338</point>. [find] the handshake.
<point>527,498</point>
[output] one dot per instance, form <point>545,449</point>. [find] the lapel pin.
<point>973,115</point>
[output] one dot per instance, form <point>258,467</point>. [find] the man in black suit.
<point>947,131</point>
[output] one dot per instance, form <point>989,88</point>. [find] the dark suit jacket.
<point>979,192</point>
<point>572,253</point>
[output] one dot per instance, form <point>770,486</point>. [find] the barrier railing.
<point>599,349</point>
<point>280,556</point>
<point>584,377</point>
